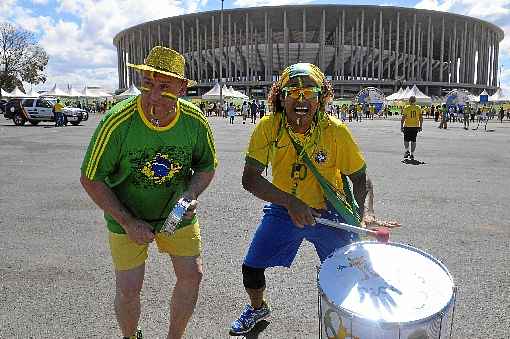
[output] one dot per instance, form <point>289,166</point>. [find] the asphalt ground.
<point>56,276</point>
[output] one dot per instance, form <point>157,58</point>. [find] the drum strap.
<point>346,206</point>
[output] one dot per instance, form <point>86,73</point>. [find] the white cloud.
<point>81,51</point>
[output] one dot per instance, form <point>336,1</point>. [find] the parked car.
<point>2,105</point>
<point>41,109</point>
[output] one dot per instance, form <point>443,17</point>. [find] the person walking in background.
<point>57,114</point>
<point>262,109</point>
<point>254,107</point>
<point>231,113</point>
<point>444,117</point>
<point>245,110</point>
<point>410,124</point>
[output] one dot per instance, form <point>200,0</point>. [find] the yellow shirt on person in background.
<point>335,153</point>
<point>58,107</point>
<point>411,115</point>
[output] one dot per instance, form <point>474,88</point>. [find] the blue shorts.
<point>277,239</point>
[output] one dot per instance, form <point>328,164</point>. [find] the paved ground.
<point>55,272</point>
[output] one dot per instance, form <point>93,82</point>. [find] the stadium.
<point>356,46</point>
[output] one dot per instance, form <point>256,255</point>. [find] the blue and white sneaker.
<point>249,318</point>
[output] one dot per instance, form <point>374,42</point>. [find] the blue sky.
<point>78,34</point>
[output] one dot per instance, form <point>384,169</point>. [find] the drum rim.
<point>351,314</point>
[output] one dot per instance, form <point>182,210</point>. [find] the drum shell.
<point>336,322</point>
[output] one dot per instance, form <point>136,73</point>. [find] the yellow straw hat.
<point>166,61</point>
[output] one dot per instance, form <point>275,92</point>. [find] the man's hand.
<point>191,211</point>
<point>139,232</point>
<point>371,221</point>
<point>300,213</point>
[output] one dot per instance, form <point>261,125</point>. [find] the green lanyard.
<point>346,206</point>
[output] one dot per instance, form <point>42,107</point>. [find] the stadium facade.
<point>356,46</point>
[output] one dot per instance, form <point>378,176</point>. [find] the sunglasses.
<point>304,93</point>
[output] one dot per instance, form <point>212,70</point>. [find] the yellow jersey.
<point>411,115</point>
<point>58,107</point>
<point>335,153</point>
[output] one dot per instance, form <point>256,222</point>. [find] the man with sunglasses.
<point>147,153</point>
<point>297,127</point>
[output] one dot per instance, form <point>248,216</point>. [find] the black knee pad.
<point>254,278</point>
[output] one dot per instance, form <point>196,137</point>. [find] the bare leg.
<point>256,297</point>
<point>127,298</point>
<point>188,271</point>
<point>413,147</point>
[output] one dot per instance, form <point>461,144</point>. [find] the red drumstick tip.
<point>382,235</point>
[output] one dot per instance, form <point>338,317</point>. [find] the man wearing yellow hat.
<point>147,153</point>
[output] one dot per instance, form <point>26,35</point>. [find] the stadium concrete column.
<point>343,45</point>
<point>397,48</point>
<point>413,57</point>
<point>323,41</point>
<point>431,66</point>
<point>304,34</point>
<point>462,77</point>
<point>371,51</point>
<point>229,49</point>
<point>404,54</point>
<point>118,64</point>
<point>235,51</point>
<point>381,37</point>
<point>429,45</point>
<point>213,50</point>
<point>418,54</point>
<point>449,58</point>
<point>285,40</point>
<point>362,45</point>
<point>356,49</point>
<point>159,33</point>
<point>389,54</point>
<point>266,48</point>
<point>454,53</point>
<point>170,42</point>
<point>246,49</point>
<point>206,58</point>
<point>351,60</point>
<point>199,50</point>
<point>441,59</point>
<point>496,61</point>
<point>191,53</point>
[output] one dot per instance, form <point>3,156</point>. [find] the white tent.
<point>2,92</point>
<point>16,93</point>
<point>213,93</point>
<point>71,92</point>
<point>130,92</point>
<point>421,98</point>
<point>395,95</point>
<point>55,92</point>
<point>237,94</point>
<point>93,93</point>
<point>498,96</point>
<point>32,94</point>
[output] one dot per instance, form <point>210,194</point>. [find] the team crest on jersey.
<point>160,169</point>
<point>321,157</point>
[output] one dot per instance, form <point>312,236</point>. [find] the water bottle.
<point>175,217</point>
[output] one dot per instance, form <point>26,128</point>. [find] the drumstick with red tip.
<point>381,234</point>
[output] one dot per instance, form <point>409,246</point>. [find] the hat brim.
<point>142,67</point>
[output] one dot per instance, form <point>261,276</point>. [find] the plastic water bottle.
<point>175,217</point>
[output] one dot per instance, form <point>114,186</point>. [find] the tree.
<point>21,58</point>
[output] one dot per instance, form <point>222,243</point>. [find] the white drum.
<point>370,290</point>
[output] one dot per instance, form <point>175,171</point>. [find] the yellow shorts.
<point>126,254</point>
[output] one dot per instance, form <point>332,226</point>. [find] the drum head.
<point>386,283</point>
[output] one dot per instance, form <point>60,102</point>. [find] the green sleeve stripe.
<point>103,137</point>
<point>254,162</point>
